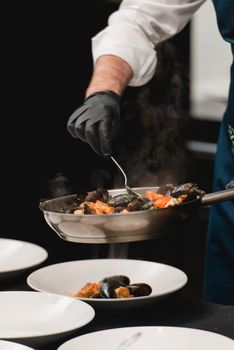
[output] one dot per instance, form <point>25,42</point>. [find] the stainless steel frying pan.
<point>117,228</point>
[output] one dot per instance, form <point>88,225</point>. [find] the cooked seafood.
<point>117,286</point>
<point>101,202</point>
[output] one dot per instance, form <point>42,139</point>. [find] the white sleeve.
<point>135,29</point>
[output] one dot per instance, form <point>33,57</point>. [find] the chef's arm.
<point>135,29</point>
<point>124,53</point>
<point>110,73</point>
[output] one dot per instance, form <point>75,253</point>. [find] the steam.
<point>118,251</point>
<point>59,186</point>
<point>152,143</point>
<point>100,178</point>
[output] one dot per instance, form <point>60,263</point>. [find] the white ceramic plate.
<point>150,338</point>
<point>68,277</point>
<point>18,256</point>
<point>8,345</point>
<point>33,318</point>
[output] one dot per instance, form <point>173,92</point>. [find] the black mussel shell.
<point>117,280</point>
<point>107,289</point>
<point>165,190</point>
<point>100,194</point>
<point>139,289</point>
<point>121,200</point>
<point>137,204</point>
<point>189,188</point>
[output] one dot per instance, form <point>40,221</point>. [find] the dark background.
<point>47,65</point>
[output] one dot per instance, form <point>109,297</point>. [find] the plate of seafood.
<point>109,283</point>
<point>114,216</point>
<point>150,338</point>
<point>18,256</point>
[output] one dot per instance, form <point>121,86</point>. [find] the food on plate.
<point>100,202</point>
<point>116,286</point>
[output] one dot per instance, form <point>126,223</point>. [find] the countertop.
<point>174,310</point>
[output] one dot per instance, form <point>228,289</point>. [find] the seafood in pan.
<point>112,287</point>
<point>100,202</point>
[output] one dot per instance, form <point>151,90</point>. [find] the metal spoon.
<point>128,189</point>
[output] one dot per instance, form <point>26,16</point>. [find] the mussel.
<point>139,289</point>
<point>117,280</point>
<point>111,283</point>
<point>76,202</point>
<point>189,188</point>
<point>121,200</point>
<point>107,290</point>
<point>100,194</point>
<point>165,190</point>
<point>137,204</point>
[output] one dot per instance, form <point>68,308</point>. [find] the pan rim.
<point>43,203</point>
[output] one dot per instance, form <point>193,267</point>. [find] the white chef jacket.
<point>135,29</point>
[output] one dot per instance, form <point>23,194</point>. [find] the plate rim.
<point>39,261</point>
<point>65,330</point>
<point>117,300</point>
<point>138,328</point>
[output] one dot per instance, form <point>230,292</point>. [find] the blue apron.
<point>219,260</point>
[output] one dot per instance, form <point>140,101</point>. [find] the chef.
<point>125,54</point>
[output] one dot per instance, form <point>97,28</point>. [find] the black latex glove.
<point>97,121</point>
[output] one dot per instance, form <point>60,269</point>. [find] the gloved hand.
<point>97,121</point>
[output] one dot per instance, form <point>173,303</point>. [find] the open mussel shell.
<point>120,200</point>
<point>109,284</point>
<point>189,188</point>
<point>107,290</point>
<point>117,280</point>
<point>139,289</point>
<point>100,194</point>
<point>137,204</point>
<point>166,189</point>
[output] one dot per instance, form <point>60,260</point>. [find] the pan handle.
<point>216,197</point>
